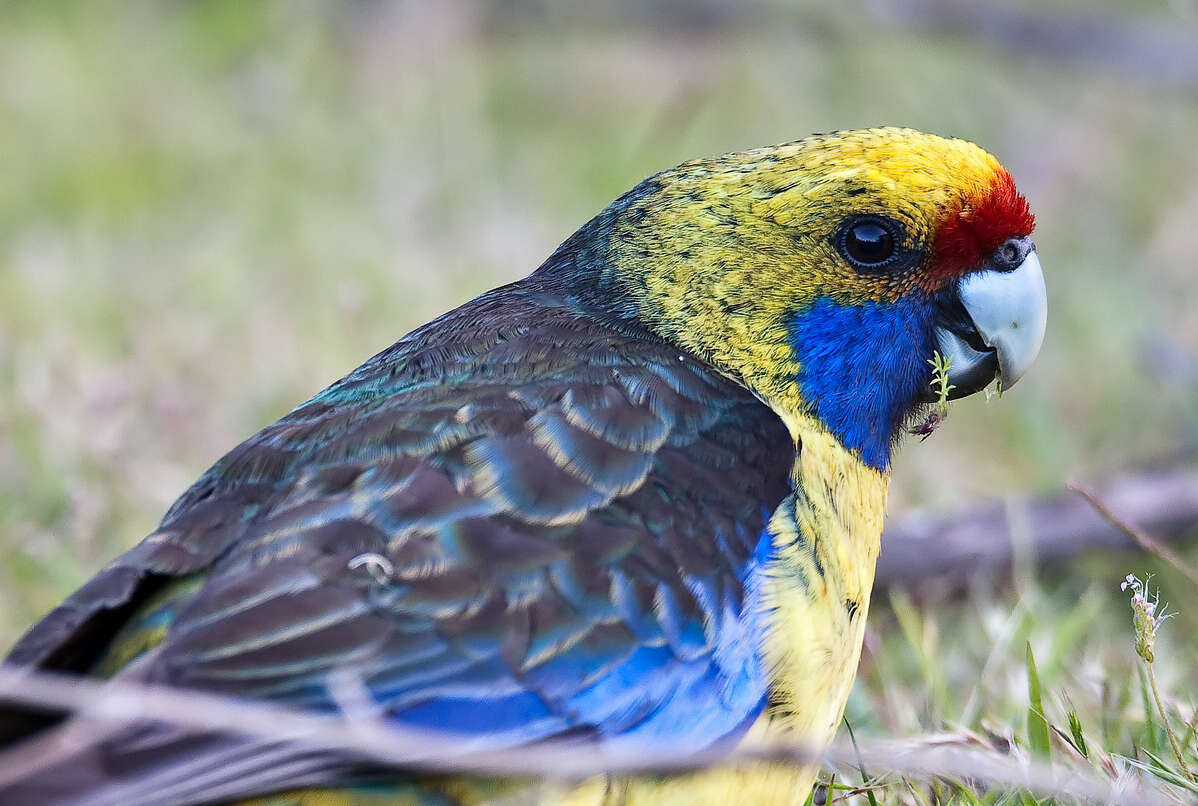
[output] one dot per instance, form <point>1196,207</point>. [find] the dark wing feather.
<point>517,523</point>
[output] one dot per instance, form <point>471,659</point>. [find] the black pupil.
<point>869,243</point>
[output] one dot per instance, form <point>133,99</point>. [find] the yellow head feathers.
<point>721,255</point>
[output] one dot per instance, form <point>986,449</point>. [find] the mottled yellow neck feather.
<point>826,537</point>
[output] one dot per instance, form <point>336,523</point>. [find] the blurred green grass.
<point>210,210</point>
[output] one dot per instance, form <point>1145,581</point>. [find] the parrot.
<point>629,504</point>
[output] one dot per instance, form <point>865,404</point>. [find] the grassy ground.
<point>210,210</point>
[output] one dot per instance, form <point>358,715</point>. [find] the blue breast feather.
<point>863,368</point>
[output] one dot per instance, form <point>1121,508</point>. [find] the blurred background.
<point>210,210</point>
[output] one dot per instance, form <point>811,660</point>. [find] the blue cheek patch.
<point>863,367</point>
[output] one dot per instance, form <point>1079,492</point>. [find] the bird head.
<point>826,274</point>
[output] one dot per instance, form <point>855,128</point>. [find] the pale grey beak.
<point>1007,309</point>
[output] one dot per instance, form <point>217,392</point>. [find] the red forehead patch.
<point>980,226</point>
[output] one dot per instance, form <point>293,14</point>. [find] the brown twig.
<point>1142,539</point>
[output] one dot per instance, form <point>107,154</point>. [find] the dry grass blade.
<point>1142,539</point>
<point>103,704</point>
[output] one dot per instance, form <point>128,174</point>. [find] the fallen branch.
<point>944,555</point>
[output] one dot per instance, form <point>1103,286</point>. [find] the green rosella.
<point>632,501</point>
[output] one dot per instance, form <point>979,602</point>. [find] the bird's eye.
<point>868,243</point>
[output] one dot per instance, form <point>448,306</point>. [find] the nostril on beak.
<point>1011,254</point>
